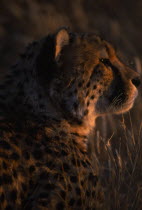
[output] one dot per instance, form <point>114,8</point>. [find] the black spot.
<point>14,140</point>
<point>88,163</point>
<point>84,164</point>
<point>64,153</point>
<point>4,165</point>
<point>75,91</point>
<point>2,198</point>
<point>71,202</point>
<point>82,183</point>
<point>15,173</point>
<point>73,179</point>
<point>37,154</point>
<point>88,193</point>
<point>88,84</point>
<point>13,195</point>
<point>43,203</point>
<point>79,202</point>
<point>75,105</point>
<point>50,164</point>
<point>49,186</point>
<point>66,167</point>
<point>80,84</point>
<point>44,175</point>
<point>93,179</point>
<point>48,150</point>
<point>56,176</point>
<point>37,145</point>
<point>87,93</point>
<point>29,141</point>
<point>63,194</point>
<point>1,180</point>
<point>24,187</point>
<point>69,188</point>
<point>21,170</point>
<point>14,156</point>
<point>7,179</point>
<point>38,164</point>
<point>94,87</point>
<point>31,169</point>
<point>26,155</point>
<point>61,178</point>
<point>43,195</point>
<point>78,191</point>
<point>86,112</point>
<point>60,206</point>
<point>5,145</point>
<point>22,195</point>
<point>93,194</point>
<point>92,97</point>
<point>88,103</point>
<point>75,162</point>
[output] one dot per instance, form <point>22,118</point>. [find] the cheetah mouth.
<point>117,105</point>
<point>128,104</point>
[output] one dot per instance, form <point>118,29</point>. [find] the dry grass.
<point>119,163</point>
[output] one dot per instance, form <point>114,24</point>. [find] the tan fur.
<point>65,82</point>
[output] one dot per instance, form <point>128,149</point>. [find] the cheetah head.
<point>90,80</point>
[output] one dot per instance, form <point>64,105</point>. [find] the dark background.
<point>120,22</point>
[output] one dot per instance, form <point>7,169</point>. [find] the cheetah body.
<point>48,106</point>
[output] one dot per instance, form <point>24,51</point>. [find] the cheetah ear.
<point>62,38</point>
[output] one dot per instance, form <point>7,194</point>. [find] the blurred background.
<point>119,22</point>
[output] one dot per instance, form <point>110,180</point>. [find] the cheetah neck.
<point>80,134</point>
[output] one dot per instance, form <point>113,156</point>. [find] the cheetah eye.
<point>106,61</point>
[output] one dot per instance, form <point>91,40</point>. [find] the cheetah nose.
<point>136,81</point>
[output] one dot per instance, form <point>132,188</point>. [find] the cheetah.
<point>48,105</point>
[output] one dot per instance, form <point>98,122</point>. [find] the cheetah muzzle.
<point>48,106</point>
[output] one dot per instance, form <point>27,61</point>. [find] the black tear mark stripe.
<point>107,63</point>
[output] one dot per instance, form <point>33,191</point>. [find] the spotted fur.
<point>48,106</point>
